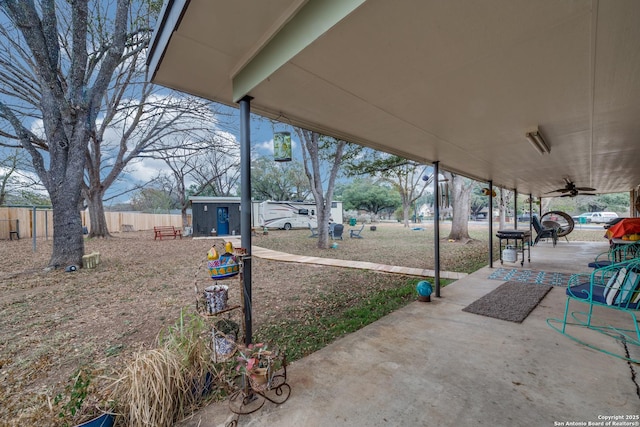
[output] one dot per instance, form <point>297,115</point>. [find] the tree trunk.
<point>68,240</point>
<point>501,211</point>
<point>405,214</point>
<point>185,218</point>
<point>460,220</point>
<point>97,218</point>
<point>310,142</point>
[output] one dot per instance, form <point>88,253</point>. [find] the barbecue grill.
<point>519,239</point>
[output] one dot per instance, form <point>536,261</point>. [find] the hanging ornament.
<point>282,146</point>
<point>487,192</point>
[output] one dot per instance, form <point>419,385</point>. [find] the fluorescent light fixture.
<point>538,142</point>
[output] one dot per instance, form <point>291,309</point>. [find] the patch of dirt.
<point>55,322</point>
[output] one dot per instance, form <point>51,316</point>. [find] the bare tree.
<point>213,164</point>
<point>404,175</point>
<point>137,128</point>
<point>504,201</point>
<point>285,181</point>
<point>313,146</point>
<point>56,72</point>
<point>10,175</point>
<point>460,201</point>
<point>216,171</point>
<point>406,178</point>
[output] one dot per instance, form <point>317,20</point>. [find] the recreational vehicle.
<point>288,215</point>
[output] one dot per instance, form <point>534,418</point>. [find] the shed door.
<point>223,221</point>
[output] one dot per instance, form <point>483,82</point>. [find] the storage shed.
<point>215,216</point>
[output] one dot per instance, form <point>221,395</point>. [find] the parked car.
<point>526,218</point>
<point>603,217</point>
<point>586,216</point>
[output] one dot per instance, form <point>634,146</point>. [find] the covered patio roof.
<point>459,82</point>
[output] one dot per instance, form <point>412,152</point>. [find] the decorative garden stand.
<point>212,303</point>
<point>255,390</point>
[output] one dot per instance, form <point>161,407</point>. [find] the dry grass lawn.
<point>54,322</point>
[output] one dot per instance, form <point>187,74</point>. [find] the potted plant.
<point>258,364</point>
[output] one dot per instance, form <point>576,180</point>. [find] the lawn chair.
<point>543,232</point>
<point>355,234</point>
<point>335,231</point>
<point>615,287</point>
<point>314,231</point>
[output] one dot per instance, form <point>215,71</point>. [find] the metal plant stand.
<point>212,304</point>
<point>250,397</point>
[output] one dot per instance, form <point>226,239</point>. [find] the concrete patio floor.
<point>431,364</point>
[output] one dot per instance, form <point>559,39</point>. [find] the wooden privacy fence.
<point>11,218</point>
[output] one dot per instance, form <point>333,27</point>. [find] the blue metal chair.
<point>615,287</point>
<point>616,254</point>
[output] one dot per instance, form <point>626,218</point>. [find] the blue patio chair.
<point>543,232</point>
<point>335,231</point>
<point>615,287</point>
<point>616,254</point>
<point>355,234</point>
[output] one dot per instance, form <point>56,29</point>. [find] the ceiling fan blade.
<point>585,189</point>
<point>559,190</point>
<point>587,194</point>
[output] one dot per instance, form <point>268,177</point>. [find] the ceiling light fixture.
<point>538,142</point>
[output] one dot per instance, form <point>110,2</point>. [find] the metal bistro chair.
<point>543,232</point>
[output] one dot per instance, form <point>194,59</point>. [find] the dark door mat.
<point>531,276</point>
<point>512,301</point>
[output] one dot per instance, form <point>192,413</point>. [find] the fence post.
<point>35,228</point>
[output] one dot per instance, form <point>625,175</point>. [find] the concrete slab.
<point>431,364</point>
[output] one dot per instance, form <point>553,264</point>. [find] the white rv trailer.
<point>288,215</point>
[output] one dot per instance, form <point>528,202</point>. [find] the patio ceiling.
<point>459,81</point>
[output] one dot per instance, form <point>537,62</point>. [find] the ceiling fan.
<point>571,190</point>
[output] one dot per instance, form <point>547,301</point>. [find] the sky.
<point>143,170</point>
<point>262,130</point>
